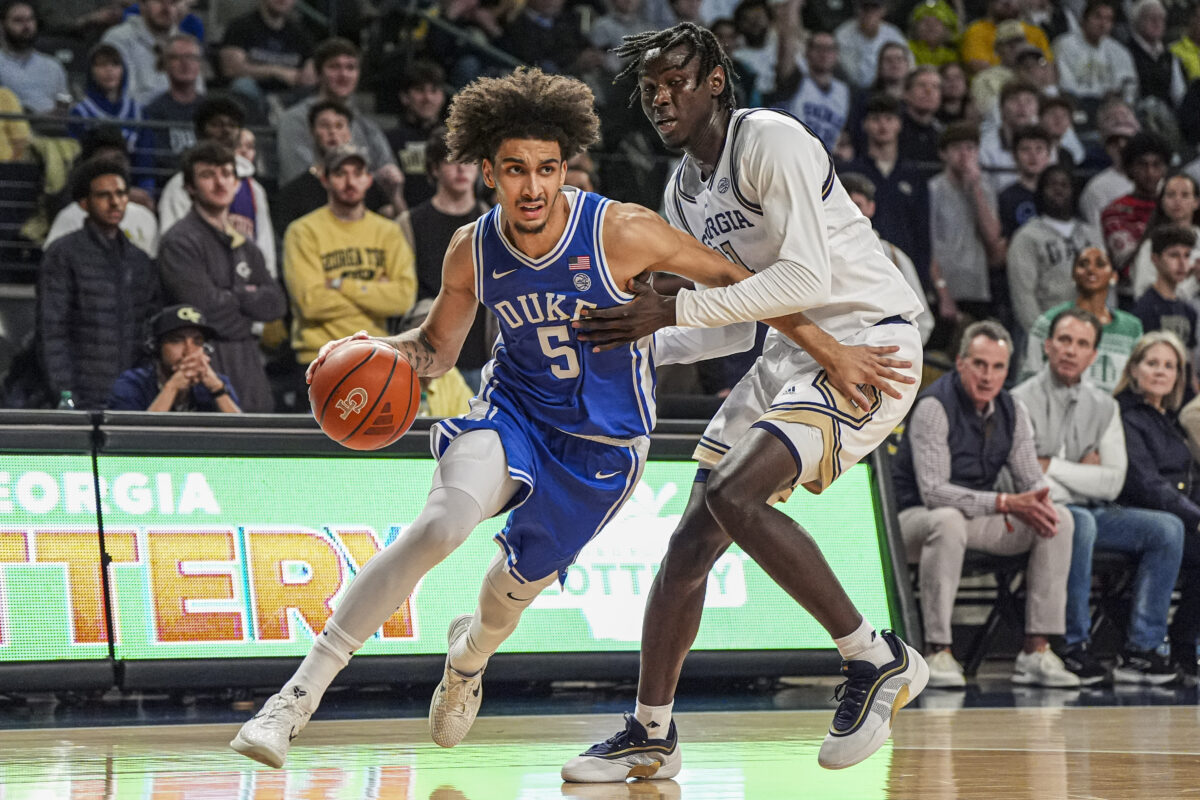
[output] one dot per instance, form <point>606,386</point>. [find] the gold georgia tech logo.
<point>354,402</point>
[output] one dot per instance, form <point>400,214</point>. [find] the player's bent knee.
<point>446,521</point>
<point>689,561</point>
<point>730,495</point>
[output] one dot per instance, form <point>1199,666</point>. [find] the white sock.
<point>655,719</point>
<point>502,598</point>
<point>329,655</point>
<point>864,644</point>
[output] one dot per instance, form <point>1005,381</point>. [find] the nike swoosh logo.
<point>600,476</point>
<point>518,599</point>
<point>502,274</point>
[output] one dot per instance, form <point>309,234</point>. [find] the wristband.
<point>1002,505</point>
<point>219,392</point>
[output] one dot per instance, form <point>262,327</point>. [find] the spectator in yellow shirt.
<point>14,133</point>
<point>1187,47</point>
<point>979,40</point>
<point>347,269</point>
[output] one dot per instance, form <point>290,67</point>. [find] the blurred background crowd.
<point>195,194</point>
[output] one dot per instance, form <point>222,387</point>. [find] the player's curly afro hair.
<point>527,104</point>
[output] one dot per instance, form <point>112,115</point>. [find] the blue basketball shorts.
<point>573,486</point>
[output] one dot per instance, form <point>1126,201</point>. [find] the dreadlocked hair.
<point>699,41</point>
<point>526,104</point>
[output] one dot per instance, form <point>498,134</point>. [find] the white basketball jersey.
<point>774,196</point>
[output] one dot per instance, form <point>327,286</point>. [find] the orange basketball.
<point>364,395</point>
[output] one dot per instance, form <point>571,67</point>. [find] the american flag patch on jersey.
<point>579,262</point>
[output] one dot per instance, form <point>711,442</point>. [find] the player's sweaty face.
<point>528,175</point>
<point>674,98</point>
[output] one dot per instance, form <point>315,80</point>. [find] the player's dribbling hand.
<point>850,368</point>
<point>328,348</point>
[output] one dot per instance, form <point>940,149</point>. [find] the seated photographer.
<point>180,377</point>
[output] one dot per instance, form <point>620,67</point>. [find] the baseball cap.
<point>1009,30</point>
<point>172,318</point>
<point>343,153</point>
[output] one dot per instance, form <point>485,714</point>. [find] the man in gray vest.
<point>1081,449</point>
<point>964,430</point>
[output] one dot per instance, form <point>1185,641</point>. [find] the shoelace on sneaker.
<point>458,691</point>
<point>621,739</point>
<point>284,705</point>
<point>852,692</point>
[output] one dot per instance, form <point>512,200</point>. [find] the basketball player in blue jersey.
<point>760,187</point>
<point>558,434</point>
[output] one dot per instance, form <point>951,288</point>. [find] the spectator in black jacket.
<point>1161,473</point>
<point>901,189</point>
<point>422,95</point>
<point>95,292</point>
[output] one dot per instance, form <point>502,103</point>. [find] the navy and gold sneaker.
<point>869,699</point>
<point>629,754</point>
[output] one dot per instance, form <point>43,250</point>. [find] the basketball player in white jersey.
<point>554,421</point>
<point>759,186</point>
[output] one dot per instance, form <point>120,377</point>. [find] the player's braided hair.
<point>700,42</point>
<point>526,104</point>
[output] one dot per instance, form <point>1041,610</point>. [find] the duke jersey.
<point>539,366</point>
<point>774,195</point>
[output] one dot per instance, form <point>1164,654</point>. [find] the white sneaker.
<point>1043,668</point>
<point>869,699</point>
<point>456,700</point>
<point>267,735</point>
<point>944,671</point>
<point>630,753</point>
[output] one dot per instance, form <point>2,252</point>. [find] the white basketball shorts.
<point>787,393</point>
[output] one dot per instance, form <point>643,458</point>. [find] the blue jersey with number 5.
<point>539,366</point>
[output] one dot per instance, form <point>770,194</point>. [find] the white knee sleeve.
<point>475,464</point>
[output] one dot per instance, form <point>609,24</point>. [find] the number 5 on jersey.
<point>556,344</point>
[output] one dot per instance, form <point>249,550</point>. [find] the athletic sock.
<point>329,655</point>
<point>466,657</point>
<point>655,719</point>
<point>864,644</point>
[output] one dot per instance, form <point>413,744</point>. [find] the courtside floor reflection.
<point>1038,752</point>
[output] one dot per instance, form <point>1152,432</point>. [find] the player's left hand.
<point>851,367</point>
<point>607,328</point>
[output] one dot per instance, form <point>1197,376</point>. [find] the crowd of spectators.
<point>1029,166</point>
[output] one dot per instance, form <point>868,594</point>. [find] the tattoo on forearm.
<point>416,347</point>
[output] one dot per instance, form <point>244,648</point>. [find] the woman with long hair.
<point>1178,204</point>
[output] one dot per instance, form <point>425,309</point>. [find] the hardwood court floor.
<point>999,754</point>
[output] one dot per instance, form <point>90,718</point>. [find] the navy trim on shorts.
<point>702,475</point>
<point>774,430</point>
<point>896,320</point>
